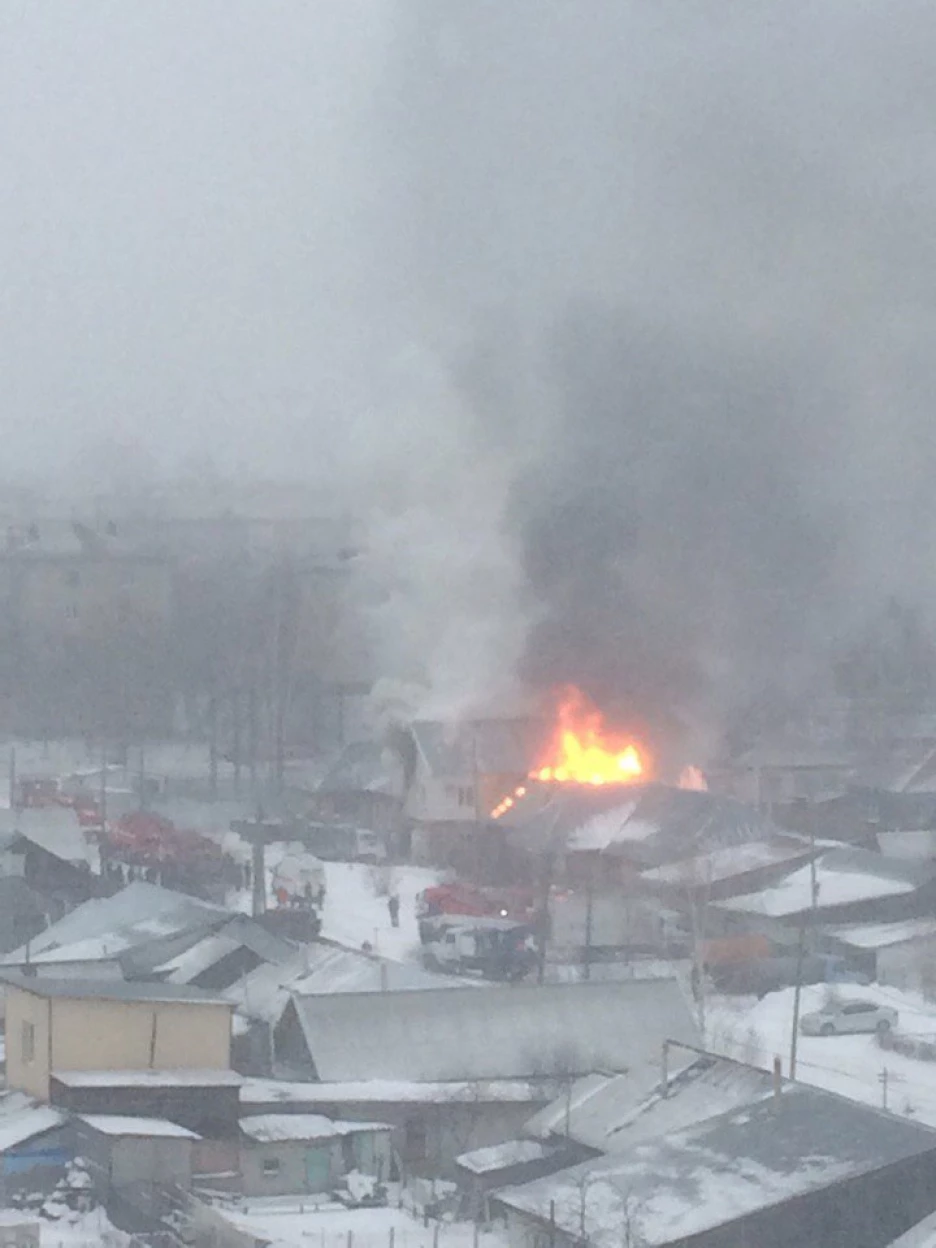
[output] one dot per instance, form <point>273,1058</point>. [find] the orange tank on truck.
<point>730,949</point>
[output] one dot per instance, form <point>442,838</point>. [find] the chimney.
<point>777,1078</point>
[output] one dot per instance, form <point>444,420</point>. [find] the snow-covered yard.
<point>356,910</point>
<point>355,913</point>
<point>757,1031</point>
<point>288,1224</point>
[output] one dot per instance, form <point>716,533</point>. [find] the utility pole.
<point>801,953</point>
<point>589,915</point>
<point>103,792</point>
<point>213,743</point>
<point>883,1079</point>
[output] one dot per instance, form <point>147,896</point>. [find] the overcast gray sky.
<point>185,222</point>
<point>471,259</point>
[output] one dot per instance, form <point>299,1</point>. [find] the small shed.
<point>901,955</point>
<point>505,1165</point>
<point>34,1146</point>
<point>283,1154</point>
<point>128,1152</point>
<point>432,1123</point>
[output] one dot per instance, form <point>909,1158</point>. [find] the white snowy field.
<point>291,1225</point>
<point>855,1066</point>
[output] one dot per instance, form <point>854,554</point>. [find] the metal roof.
<point>671,1188</point>
<point>517,1032</point>
<point>109,990</point>
<point>653,823</point>
<point>613,1112</point>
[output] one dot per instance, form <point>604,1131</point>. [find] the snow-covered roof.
<point>923,1235</point>
<point>674,1187</point>
<point>322,969</point>
<point>724,863</point>
<point>331,969</point>
<point>23,1124</point>
<point>883,935</point>
<point>390,1091</point>
<point>124,1124</point>
<point>107,926</point>
<point>55,829</point>
<point>108,989</point>
<point>195,960</point>
<point>148,1078</point>
<point>525,1031</point>
<point>843,877</point>
<point>273,1128</point>
<point>613,1112</point>
<point>500,1156</point>
<point>610,827</point>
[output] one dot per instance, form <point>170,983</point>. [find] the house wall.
<point>28,1063</point>
<point>73,1034</point>
<point>136,1035</point>
<point>312,1166</point>
<point>135,1160</point>
<point>210,1111</point>
<point>292,1174</point>
<point>428,1137</point>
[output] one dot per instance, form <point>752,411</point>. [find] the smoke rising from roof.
<point>688,246</point>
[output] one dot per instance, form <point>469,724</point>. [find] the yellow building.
<point>89,1025</point>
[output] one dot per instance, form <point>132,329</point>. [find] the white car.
<point>842,1017</point>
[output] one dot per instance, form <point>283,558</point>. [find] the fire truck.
<point>495,948</point>
<point>471,900</point>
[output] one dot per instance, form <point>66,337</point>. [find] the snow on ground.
<point>356,909</point>
<point>757,1031</point>
<point>72,1230</point>
<point>335,1227</point>
<point>354,913</point>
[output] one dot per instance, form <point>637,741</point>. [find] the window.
<point>29,1042</point>
<point>71,611</point>
<point>271,1167</point>
<point>859,1007</point>
<point>466,797</point>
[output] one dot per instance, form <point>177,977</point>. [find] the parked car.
<point>844,1017</point>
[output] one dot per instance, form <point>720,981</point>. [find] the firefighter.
<point>393,905</point>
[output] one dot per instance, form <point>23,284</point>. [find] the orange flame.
<point>584,752</point>
<point>693,778</point>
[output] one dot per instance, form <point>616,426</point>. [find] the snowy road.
<point>855,1066</point>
